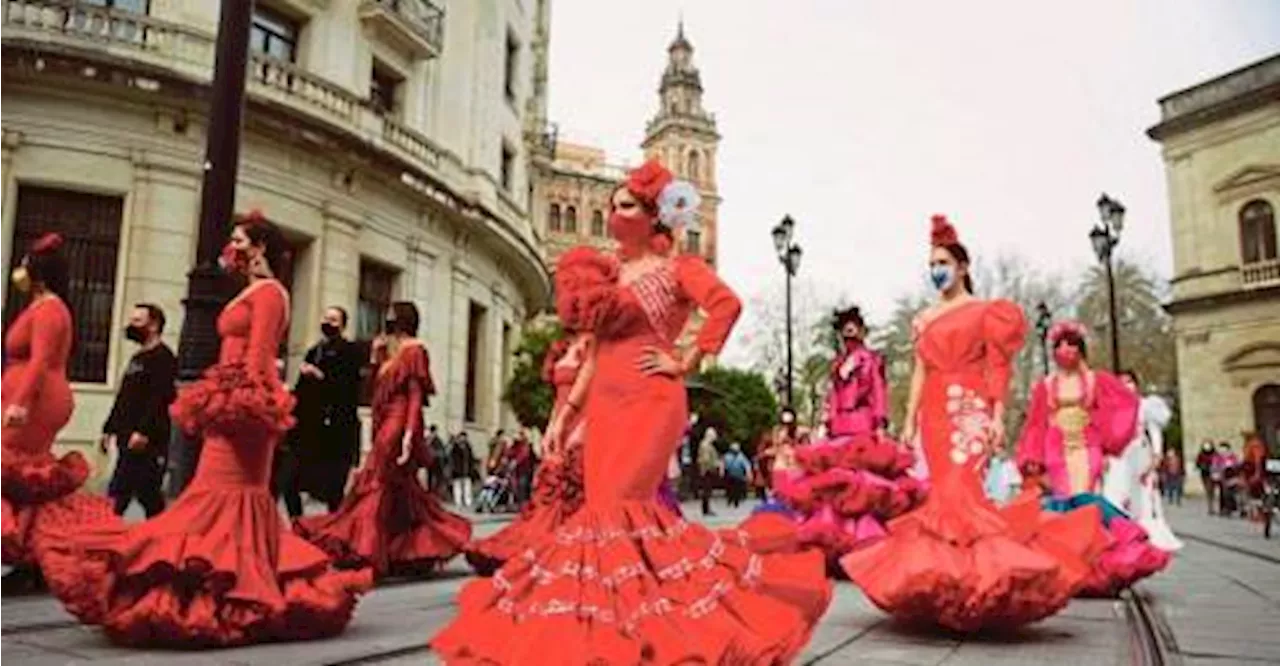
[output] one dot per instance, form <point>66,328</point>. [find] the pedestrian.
<point>1174,475</point>
<point>437,474</point>
<point>737,474</point>
<point>138,425</point>
<point>709,468</point>
<point>762,471</point>
<point>1204,465</point>
<point>464,468</point>
<point>1225,475</point>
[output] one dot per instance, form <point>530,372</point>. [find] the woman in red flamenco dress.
<point>624,580</point>
<point>557,486</point>
<point>959,562</point>
<point>1078,417</point>
<point>389,520</point>
<point>40,490</point>
<point>218,567</point>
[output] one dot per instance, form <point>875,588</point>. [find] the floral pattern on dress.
<point>970,423</point>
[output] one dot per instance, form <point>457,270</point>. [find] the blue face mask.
<point>942,276</point>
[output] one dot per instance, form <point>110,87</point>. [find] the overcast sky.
<point>861,118</point>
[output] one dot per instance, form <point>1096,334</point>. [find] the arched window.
<point>694,174</point>
<point>597,223</point>
<point>571,220</point>
<point>1257,232</point>
<point>553,218</point>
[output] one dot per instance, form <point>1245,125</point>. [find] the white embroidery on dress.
<point>967,412</point>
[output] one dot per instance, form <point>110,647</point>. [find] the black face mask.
<point>390,327</point>
<point>329,330</point>
<point>135,334</point>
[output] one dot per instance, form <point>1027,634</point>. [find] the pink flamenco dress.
<point>624,580</point>
<point>557,485</point>
<point>218,567</point>
<point>1070,428</point>
<point>958,561</point>
<point>389,521</point>
<point>848,485</point>
<point>41,491</point>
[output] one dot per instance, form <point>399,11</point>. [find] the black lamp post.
<point>789,256</point>
<point>1044,318</point>
<point>1105,236</point>
<point>206,283</point>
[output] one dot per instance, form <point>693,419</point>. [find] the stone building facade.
<point>386,139</point>
<point>1221,146</point>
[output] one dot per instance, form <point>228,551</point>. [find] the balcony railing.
<point>417,24</point>
<point>289,84</point>
<point>1261,274</point>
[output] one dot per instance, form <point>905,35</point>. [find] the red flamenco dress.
<point>557,486</point>
<point>624,580</point>
<point>218,567</point>
<point>40,491</point>
<point>388,520</point>
<point>959,562</point>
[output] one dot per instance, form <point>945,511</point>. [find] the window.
<point>553,218</point>
<point>273,34</point>
<point>692,241</point>
<point>694,174</point>
<point>510,63</point>
<point>571,220</point>
<point>384,89</point>
<point>475,338</point>
<point>90,227</point>
<point>1257,232</point>
<point>597,223</point>
<point>508,166</point>
<point>377,286</point>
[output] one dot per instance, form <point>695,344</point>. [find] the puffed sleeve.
<point>270,308</point>
<point>879,391</point>
<point>1030,449</point>
<point>49,324</point>
<point>713,297</point>
<point>1114,416</point>
<point>1004,329</point>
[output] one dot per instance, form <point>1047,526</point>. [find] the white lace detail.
<point>582,535</point>
<point>656,292</point>
<point>969,421</point>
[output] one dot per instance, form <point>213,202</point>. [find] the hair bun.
<point>49,242</point>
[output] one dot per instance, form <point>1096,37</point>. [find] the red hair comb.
<point>254,216</point>
<point>47,243</point>
<point>942,233</point>
<point>1064,328</point>
<point>647,180</point>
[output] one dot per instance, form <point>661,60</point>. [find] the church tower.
<point>683,136</point>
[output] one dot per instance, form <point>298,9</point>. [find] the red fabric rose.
<point>646,181</point>
<point>942,233</point>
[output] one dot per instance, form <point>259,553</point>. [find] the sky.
<point>861,118</point>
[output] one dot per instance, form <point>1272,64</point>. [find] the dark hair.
<point>961,255</point>
<point>851,314</point>
<point>1075,340</point>
<point>262,232</point>
<point>50,269</point>
<point>1133,375</point>
<point>154,313</point>
<point>342,312</point>
<point>406,317</point>
<point>650,207</point>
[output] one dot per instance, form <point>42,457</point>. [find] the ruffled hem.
<point>872,452</point>
<point>631,583</point>
<point>231,400</point>
<point>959,564</point>
<point>42,478</point>
<point>215,570</point>
<point>26,527</point>
<point>1126,554</point>
<point>489,554</point>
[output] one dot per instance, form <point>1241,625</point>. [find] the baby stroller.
<point>498,491</point>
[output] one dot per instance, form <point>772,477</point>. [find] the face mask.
<point>942,277</point>
<point>1067,357</point>
<point>232,260</point>
<point>630,232</point>
<point>21,279</point>
<point>329,330</point>
<point>135,334</point>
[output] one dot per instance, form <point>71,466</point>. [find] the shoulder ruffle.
<point>586,283</point>
<point>411,364</point>
<point>232,400</point>
<point>1004,327</point>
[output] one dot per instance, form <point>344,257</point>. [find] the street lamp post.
<point>206,286</point>
<point>1044,318</point>
<point>789,256</point>
<point>1105,236</point>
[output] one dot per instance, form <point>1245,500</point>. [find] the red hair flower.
<point>646,181</point>
<point>942,234</point>
<point>254,216</point>
<point>47,244</point>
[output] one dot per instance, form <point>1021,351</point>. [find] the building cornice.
<point>1222,299</point>
<point>1234,93</point>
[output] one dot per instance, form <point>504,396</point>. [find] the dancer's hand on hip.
<point>654,361</point>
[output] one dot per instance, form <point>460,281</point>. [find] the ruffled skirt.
<point>1128,555</point>
<point>630,583</point>
<point>41,495</point>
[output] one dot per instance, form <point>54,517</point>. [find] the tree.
<point>766,335</point>
<point>1147,342</point>
<point>895,341</point>
<point>737,403</point>
<point>528,394</point>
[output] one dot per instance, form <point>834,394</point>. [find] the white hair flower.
<point>678,205</point>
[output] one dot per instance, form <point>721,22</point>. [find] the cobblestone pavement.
<point>1219,603</point>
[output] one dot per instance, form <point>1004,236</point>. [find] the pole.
<point>787,266</point>
<point>206,285</point>
<point>1111,302</point>
<point>1044,351</point>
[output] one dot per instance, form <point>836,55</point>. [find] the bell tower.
<point>683,136</point>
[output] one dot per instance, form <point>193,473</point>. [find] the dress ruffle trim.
<point>25,527</point>
<point>231,400</point>
<point>41,478</point>
<point>177,583</point>
<point>632,583</point>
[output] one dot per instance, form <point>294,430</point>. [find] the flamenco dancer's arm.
<point>714,297</point>
<point>1004,329</point>
<point>553,441</point>
<point>419,388</point>
<point>879,393</point>
<point>269,317</point>
<point>913,401</point>
<point>46,326</point>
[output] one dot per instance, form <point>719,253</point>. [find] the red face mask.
<point>1067,357</point>
<point>632,233</point>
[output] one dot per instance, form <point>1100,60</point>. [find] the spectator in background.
<point>1224,473</point>
<point>1204,465</point>
<point>497,452</point>
<point>1173,477</point>
<point>437,469</point>
<point>464,469</point>
<point>709,468</point>
<point>737,474</point>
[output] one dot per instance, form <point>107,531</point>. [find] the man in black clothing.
<point>325,442</point>
<point>139,422</point>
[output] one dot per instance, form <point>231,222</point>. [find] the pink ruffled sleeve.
<point>1114,417</point>
<point>879,391</point>
<point>1030,450</point>
<point>1004,329</point>
<point>713,296</point>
